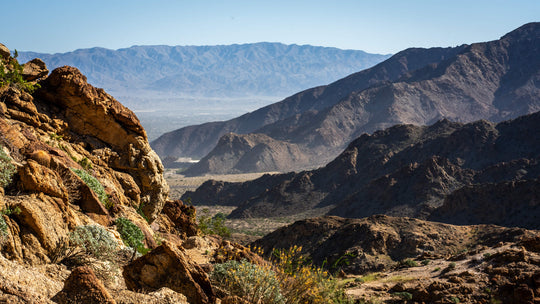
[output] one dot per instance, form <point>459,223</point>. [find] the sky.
<point>376,26</point>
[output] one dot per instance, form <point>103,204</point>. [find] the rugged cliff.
<point>81,192</point>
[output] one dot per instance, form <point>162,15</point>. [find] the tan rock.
<point>43,216</point>
<point>4,51</point>
<point>37,178</point>
<point>82,286</point>
<point>183,217</point>
<point>34,69</point>
<point>96,115</point>
<point>168,266</point>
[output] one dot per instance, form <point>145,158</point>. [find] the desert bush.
<point>253,283</point>
<point>403,295</point>
<point>95,185</point>
<point>409,263</point>
<point>7,169</point>
<point>298,280</point>
<point>302,282</point>
<point>93,240</point>
<point>214,225</point>
<point>11,74</point>
<point>131,234</point>
<point>3,228</point>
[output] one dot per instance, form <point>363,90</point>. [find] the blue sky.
<point>381,26</point>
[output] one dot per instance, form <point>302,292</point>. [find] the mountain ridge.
<point>211,71</point>
<point>494,80</point>
<point>407,170</point>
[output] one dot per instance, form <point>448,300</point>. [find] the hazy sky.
<point>377,26</point>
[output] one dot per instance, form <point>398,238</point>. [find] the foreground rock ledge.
<point>168,266</point>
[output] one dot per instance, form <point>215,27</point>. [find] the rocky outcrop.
<point>493,80</point>
<point>73,156</point>
<point>114,132</point>
<point>182,219</point>
<point>82,286</point>
<point>443,172</point>
<point>379,242</point>
<point>34,70</point>
<point>167,266</point>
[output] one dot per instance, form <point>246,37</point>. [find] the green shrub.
<point>13,75</point>
<point>3,228</point>
<point>131,234</point>
<point>253,283</point>
<point>409,263</point>
<point>425,262</point>
<point>403,295</point>
<point>94,240</point>
<point>95,185</point>
<point>7,169</point>
<point>214,225</point>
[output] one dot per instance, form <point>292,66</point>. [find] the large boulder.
<point>34,69</point>
<point>111,131</point>
<point>82,286</point>
<point>168,266</point>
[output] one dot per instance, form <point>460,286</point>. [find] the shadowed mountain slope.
<point>442,171</point>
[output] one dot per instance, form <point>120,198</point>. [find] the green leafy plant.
<point>7,169</point>
<point>95,185</point>
<point>9,211</point>
<point>85,163</point>
<point>409,263</point>
<point>214,225</point>
<point>403,295</point>
<point>425,262</point>
<point>454,299</point>
<point>131,235</point>
<point>3,228</point>
<point>94,240</point>
<point>11,74</point>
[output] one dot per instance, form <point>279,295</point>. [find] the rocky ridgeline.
<point>476,173</point>
<point>76,170</point>
<point>390,260</point>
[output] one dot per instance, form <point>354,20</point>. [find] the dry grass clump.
<point>289,279</point>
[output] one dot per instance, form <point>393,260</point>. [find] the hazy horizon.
<point>382,27</point>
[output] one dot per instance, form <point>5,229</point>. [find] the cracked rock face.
<point>113,132</point>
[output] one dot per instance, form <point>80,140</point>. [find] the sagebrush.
<point>7,169</point>
<point>94,240</point>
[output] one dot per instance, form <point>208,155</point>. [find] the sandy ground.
<point>243,230</point>
<point>180,184</point>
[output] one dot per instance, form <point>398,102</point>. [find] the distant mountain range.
<point>258,69</point>
<point>495,80</point>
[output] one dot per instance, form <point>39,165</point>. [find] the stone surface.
<point>168,266</point>
<point>92,113</point>
<point>4,51</point>
<point>34,69</point>
<point>183,217</point>
<point>82,286</point>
